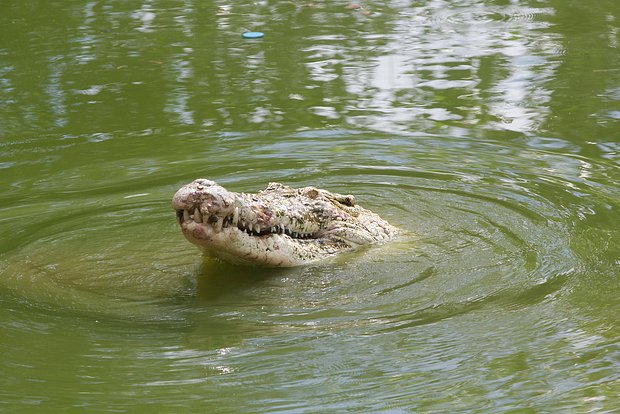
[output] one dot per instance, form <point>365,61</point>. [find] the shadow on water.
<point>216,280</point>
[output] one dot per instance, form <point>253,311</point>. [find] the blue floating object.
<point>253,35</point>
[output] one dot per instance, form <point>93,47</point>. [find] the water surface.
<point>487,131</point>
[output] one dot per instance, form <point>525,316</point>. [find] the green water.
<point>488,130</point>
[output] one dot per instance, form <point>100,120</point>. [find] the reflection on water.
<point>432,65</point>
<point>485,130</point>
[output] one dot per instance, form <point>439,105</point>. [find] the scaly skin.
<point>278,227</point>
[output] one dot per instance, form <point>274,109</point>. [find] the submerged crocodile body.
<point>279,226</point>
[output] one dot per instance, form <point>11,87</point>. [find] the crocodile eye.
<point>347,200</point>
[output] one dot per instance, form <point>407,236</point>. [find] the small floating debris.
<point>253,35</point>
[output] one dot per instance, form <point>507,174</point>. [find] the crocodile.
<point>280,226</point>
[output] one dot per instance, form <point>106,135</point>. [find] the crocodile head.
<point>279,226</point>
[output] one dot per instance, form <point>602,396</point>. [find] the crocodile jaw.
<point>237,229</point>
<point>234,245</point>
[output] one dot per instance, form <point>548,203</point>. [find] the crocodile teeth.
<point>197,216</point>
<point>186,215</point>
<point>218,225</point>
<point>257,228</point>
<point>235,218</point>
